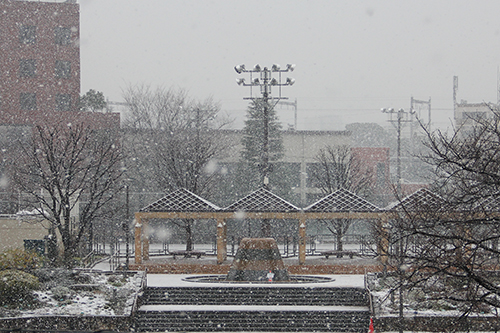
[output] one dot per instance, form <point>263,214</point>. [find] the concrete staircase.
<point>269,308</point>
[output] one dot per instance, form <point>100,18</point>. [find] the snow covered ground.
<point>105,294</point>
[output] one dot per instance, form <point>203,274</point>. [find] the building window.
<point>62,35</point>
<point>63,69</point>
<point>27,101</point>
<point>27,67</point>
<point>27,34</point>
<point>63,102</point>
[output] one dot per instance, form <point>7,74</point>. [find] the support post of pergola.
<point>383,249</point>
<point>145,239</point>
<point>221,240</point>
<point>302,239</point>
<point>138,240</point>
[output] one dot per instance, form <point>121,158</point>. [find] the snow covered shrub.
<point>16,287</point>
<point>20,259</point>
<point>117,281</point>
<point>61,293</point>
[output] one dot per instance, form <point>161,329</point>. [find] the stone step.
<point>257,296</point>
<point>354,320</point>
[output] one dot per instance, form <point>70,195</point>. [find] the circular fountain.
<point>258,260</point>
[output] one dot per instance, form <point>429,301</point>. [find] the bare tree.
<point>453,246</point>
<point>175,141</point>
<point>466,163</point>
<point>68,168</point>
<point>335,168</point>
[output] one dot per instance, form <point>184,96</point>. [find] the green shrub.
<point>20,259</point>
<point>16,287</point>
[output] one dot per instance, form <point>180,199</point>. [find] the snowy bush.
<point>61,293</point>
<point>16,287</point>
<point>20,259</point>
<point>117,281</point>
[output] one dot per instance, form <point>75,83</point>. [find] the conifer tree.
<point>253,154</point>
<point>253,139</point>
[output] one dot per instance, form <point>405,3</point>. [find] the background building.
<point>40,62</point>
<point>39,78</point>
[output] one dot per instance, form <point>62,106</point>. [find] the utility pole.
<point>264,80</point>
<point>401,113</point>
<point>416,105</point>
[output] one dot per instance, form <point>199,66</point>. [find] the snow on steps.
<point>259,309</point>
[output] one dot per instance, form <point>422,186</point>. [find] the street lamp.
<point>265,79</point>
<point>126,225</point>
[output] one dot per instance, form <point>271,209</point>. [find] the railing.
<point>370,298</point>
<point>89,259</point>
<point>137,300</point>
<point>114,261</point>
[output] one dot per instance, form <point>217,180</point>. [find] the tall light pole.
<point>265,79</point>
<point>126,228</point>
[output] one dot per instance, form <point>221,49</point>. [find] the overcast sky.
<point>352,57</point>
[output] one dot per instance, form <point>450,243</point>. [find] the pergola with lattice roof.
<point>260,204</point>
<point>420,201</point>
<point>490,204</point>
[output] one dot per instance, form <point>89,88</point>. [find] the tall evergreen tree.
<point>253,154</point>
<point>253,140</point>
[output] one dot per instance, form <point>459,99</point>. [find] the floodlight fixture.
<point>262,77</point>
<point>239,68</point>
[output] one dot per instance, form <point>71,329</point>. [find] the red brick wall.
<point>375,163</point>
<point>46,17</point>
<point>369,159</point>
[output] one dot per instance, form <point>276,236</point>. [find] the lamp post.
<point>265,79</point>
<point>126,228</point>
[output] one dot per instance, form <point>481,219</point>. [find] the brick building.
<point>40,62</point>
<point>373,162</point>
<point>39,76</point>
